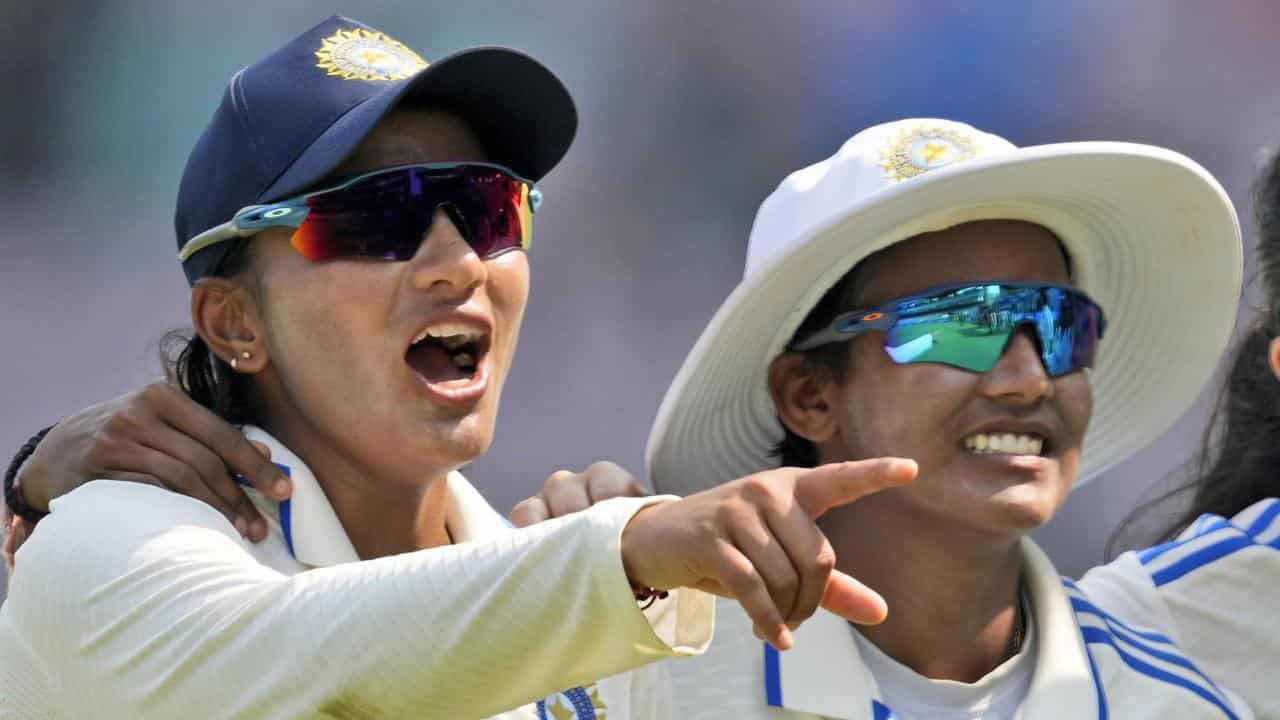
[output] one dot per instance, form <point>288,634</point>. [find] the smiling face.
<point>395,367</point>
<point>998,451</point>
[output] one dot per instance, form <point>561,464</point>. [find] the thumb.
<point>853,601</point>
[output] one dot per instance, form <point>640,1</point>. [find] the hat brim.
<point>1152,237</point>
<point>521,112</point>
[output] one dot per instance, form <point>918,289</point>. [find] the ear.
<point>226,316</point>
<point>804,394</point>
<point>1273,356</point>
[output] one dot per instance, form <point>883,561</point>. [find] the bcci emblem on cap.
<point>919,150</point>
<point>361,54</point>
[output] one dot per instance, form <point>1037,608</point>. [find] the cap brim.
<point>521,112</point>
<point>1152,237</point>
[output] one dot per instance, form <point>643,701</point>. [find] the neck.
<point>381,516</point>
<point>952,597</point>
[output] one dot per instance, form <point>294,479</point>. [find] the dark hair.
<point>793,450</point>
<point>201,374</point>
<point>1238,462</point>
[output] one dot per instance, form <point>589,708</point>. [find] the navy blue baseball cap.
<point>286,121</point>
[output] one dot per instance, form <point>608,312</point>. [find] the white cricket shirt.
<point>1088,664</point>
<point>1217,587</point>
<point>135,602</point>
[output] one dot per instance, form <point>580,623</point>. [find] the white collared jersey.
<point>1089,664</point>
<point>134,602</point>
<point>1217,590</point>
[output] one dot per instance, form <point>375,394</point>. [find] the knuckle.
<point>784,582</point>
<point>123,422</point>
<point>825,561</point>
<point>155,393</point>
<point>604,467</point>
<point>560,477</point>
<point>187,476</point>
<point>757,490</point>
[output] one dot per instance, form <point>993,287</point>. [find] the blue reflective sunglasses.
<point>969,325</point>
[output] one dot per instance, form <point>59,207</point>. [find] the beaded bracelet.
<point>13,490</point>
<point>648,596</point>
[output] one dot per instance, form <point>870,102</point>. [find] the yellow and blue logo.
<point>361,54</point>
<point>576,704</point>
<point>919,150</point>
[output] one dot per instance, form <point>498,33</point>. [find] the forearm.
<point>187,619</point>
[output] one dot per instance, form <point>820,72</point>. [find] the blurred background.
<point>691,112</point>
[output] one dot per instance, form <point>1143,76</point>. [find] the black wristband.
<point>13,495</point>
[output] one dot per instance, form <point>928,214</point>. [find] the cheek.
<point>508,290</point>
<point>320,320</point>
<point>1075,402</point>
<point>900,409</point>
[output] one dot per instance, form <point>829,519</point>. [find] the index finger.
<point>238,452</point>
<point>819,489</point>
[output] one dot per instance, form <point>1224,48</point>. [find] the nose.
<point>1019,376</point>
<point>445,263</point>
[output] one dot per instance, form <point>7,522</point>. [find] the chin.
<point>442,445</point>
<point>1022,509</point>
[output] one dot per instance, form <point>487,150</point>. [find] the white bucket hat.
<point>1152,236</point>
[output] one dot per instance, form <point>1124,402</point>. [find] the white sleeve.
<point>149,605</point>
<point>727,681</point>
<point>1217,586</point>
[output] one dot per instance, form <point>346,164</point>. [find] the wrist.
<point>637,552</point>
<point>18,495</point>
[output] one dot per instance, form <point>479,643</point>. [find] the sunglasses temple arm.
<point>213,236</point>
<point>825,337</point>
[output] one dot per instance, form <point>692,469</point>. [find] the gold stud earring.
<point>235,362</point>
<point>246,354</point>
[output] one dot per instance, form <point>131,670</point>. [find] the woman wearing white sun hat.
<point>860,330</point>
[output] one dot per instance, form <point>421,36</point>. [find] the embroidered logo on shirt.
<point>361,54</point>
<point>576,704</point>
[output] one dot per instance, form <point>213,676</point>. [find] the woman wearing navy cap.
<point>354,223</point>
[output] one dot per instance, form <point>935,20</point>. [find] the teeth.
<point>451,335</point>
<point>1004,443</point>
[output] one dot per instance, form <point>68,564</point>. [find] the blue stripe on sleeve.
<point>1080,604</point>
<point>1200,558</point>
<point>1103,713</point>
<point>772,676</point>
<point>1151,553</point>
<point>880,711</point>
<point>1101,637</point>
<point>1115,627</point>
<point>1265,520</point>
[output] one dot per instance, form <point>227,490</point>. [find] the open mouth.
<point>996,443</point>
<point>448,354</point>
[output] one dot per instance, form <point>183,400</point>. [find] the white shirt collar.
<point>313,532</point>
<point>824,674</point>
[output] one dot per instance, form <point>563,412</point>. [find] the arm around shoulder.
<point>162,609</point>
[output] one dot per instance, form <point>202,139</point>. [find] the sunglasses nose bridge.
<point>454,213</point>
<point>1027,331</point>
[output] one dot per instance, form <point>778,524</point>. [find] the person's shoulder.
<point>120,504</point>
<point>102,524</point>
<point>1213,545</point>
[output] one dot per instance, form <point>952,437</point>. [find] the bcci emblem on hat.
<point>919,150</point>
<point>361,54</point>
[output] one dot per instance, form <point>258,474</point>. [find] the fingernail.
<point>280,488</point>
<point>242,527</point>
<point>785,641</point>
